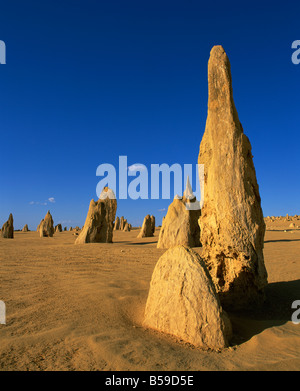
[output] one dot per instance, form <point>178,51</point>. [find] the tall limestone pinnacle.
<point>231,222</point>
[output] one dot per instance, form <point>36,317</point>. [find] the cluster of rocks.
<point>282,218</point>
<point>188,293</point>
<point>122,224</point>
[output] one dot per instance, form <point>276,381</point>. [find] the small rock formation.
<point>127,227</point>
<point>39,226</point>
<point>292,225</point>
<point>182,301</point>
<point>70,229</point>
<point>153,224</point>
<point>121,223</point>
<point>7,230</point>
<point>65,228</point>
<point>25,228</point>
<point>58,228</point>
<point>117,224</point>
<point>146,230</point>
<point>180,225</point>
<point>46,226</point>
<point>231,222</point>
<point>98,227</point>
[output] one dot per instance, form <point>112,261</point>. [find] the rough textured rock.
<point>180,225</point>
<point>117,224</point>
<point>25,228</point>
<point>127,227</point>
<point>71,229</point>
<point>231,222</point>
<point>39,226</point>
<point>58,228</point>
<point>7,230</point>
<point>122,223</point>
<point>146,230</point>
<point>153,224</point>
<point>46,226</point>
<point>98,227</point>
<point>183,301</point>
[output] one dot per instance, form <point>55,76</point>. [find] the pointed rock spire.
<point>188,193</point>
<point>231,222</point>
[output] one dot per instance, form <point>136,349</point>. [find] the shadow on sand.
<point>276,311</point>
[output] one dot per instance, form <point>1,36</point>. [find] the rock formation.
<point>25,228</point>
<point>98,227</point>
<point>117,224</point>
<point>231,222</point>
<point>46,226</point>
<point>153,224</point>
<point>182,301</point>
<point>7,230</point>
<point>180,225</point>
<point>121,223</point>
<point>146,230</point>
<point>39,226</point>
<point>58,228</point>
<point>127,227</point>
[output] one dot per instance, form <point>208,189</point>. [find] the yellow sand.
<point>81,308</point>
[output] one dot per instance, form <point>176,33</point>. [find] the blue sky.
<point>88,81</point>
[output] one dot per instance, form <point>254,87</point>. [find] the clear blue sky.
<point>87,81</point>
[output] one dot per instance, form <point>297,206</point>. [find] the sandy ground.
<point>81,308</point>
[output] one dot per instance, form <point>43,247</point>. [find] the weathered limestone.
<point>58,228</point>
<point>46,227</point>
<point>122,223</point>
<point>117,224</point>
<point>98,227</point>
<point>232,224</point>
<point>153,223</point>
<point>180,225</point>
<point>7,230</point>
<point>146,230</point>
<point>182,301</point>
<point>39,226</point>
<point>25,228</point>
<point>127,227</point>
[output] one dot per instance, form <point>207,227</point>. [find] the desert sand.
<point>81,307</point>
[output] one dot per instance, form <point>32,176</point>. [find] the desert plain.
<point>81,307</point>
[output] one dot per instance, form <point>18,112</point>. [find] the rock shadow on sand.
<point>276,311</point>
